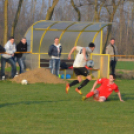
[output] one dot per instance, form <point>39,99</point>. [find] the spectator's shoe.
<point>3,78</point>
<point>78,91</point>
<point>84,98</point>
<point>67,88</point>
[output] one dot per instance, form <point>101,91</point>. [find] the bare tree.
<point>77,10</point>
<point>5,21</point>
<point>16,17</point>
<point>110,19</point>
<point>51,10</point>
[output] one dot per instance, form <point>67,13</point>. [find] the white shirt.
<point>58,49</point>
<point>79,59</point>
<point>10,49</point>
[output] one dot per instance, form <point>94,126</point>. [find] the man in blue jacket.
<point>55,52</point>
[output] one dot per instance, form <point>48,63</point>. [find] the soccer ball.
<point>24,82</point>
<point>90,63</point>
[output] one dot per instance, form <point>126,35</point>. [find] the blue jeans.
<point>55,66</point>
<point>11,62</point>
<point>21,64</point>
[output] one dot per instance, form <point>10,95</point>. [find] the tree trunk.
<point>96,15</point>
<point>51,10</point>
<point>5,21</point>
<point>107,37</point>
<point>77,10</point>
<point>42,7</point>
<point>16,17</point>
<point>35,1</point>
<point>111,18</point>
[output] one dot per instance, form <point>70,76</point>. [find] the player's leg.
<point>84,72</point>
<point>79,79</point>
<point>102,99</point>
<point>94,93</point>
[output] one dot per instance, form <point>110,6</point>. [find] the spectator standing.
<point>21,47</point>
<point>10,50</point>
<point>112,50</point>
<point>55,52</point>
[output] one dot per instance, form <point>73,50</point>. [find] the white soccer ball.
<point>90,63</point>
<point>24,82</point>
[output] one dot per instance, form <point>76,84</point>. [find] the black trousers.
<point>112,66</point>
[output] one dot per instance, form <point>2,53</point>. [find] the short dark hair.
<point>91,44</point>
<point>56,38</point>
<point>114,77</point>
<point>24,38</point>
<point>112,38</point>
<point>11,38</point>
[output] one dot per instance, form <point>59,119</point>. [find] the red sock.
<point>89,94</point>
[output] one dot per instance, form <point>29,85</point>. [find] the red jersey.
<point>106,89</point>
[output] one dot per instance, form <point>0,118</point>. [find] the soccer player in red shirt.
<point>104,91</point>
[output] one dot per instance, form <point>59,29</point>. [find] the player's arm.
<point>72,50</point>
<point>84,53</point>
<point>95,84</point>
<point>99,81</point>
<point>119,95</point>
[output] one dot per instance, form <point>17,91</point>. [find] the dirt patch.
<point>39,75</point>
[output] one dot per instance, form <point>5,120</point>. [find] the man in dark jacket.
<point>55,52</point>
<point>21,47</point>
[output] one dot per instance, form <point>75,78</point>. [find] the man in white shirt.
<point>8,57</point>
<point>79,66</point>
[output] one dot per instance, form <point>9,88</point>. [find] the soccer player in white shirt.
<point>79,66</point>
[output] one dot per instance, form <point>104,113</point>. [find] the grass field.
<point>126,65</point>
<point>47,109</point>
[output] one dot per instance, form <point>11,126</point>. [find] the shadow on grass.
<point>28,103</point>
<point>125,97</point>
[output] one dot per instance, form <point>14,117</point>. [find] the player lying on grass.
<point>104,91</point>
<point>79,66</point>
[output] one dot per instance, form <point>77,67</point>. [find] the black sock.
<point>73,83</point>
<point>84,83</point>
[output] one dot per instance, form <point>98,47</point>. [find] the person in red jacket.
<point>104,91</point>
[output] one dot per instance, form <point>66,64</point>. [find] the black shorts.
<point>81,71</point>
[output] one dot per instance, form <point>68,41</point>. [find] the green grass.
<point>8,69</point>
<point>47,109</point>
<point>126,65</point>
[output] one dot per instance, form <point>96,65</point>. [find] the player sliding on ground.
<point>104,91</point>
<point>79,66</point>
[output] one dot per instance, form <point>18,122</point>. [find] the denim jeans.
<point>54,66</point>
<point>21,64</point>
<point>11,62</point>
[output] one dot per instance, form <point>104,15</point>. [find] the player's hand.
<point>85,59</point>
<point>69,57</point>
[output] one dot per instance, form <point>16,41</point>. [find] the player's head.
<point>91,45</point>
<point>112,77</point>
<point>112,41</point>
